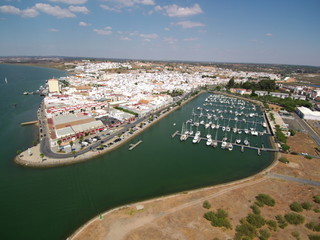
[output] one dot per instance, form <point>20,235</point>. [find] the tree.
<point>59,142</point>
<point>71,143</point>
<point>285,147</point>
<point>230,83</point>
<point>42,156</point>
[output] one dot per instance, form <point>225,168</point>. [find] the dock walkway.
<point>132,146</point>
<point>242,146</point>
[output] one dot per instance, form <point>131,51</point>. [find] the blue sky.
<point>251,31</point>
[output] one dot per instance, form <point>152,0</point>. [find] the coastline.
<point>256,178</point>
<point>34,160</point>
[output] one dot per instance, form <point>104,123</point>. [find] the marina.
<point>233,122</point>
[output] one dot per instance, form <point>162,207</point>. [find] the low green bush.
<point>218,219</point>
<point>206,204</point>
<point>255,209</point>
<point>294,218</point>
<point>272,225</point>
<point>264,234</point>
<point>316,199</point>
<point>266,199</point>
<point>314,237</point>
<point>256,220</point>
<point>283,160</point>
<point>313,226</point>
<point>245,231</point>
<point>281,221</point>
<point>295,206</point>
<point>306,205</point>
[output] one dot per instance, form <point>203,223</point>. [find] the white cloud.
<point>29,13</point>
<point>167,29</point>
<point>106,7</point>
<point>10,9</point>
<point>79,9</point>
<point>26,13</point>
<point>53,30</point>
<point>69,1</point>
<point>125,39</point>
<point>117,5</point>
<point>177,11</point>
<point>55,11</point>
<point>188,24</point>
<point>269,34</point>
<point>84,24</point>
<point>104,31</point>
<point>130,3</point>
<point>170,40</point>
<point>190,39</point>
<point>149,36</point>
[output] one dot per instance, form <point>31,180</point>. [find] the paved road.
<point>294,179</point>
<point>307,128</point>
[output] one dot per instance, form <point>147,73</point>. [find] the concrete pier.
<point>132,146</point>
<point>29,123</point>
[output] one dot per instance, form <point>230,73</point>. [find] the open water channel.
<point>53,203</point>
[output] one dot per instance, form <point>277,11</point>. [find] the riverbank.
<point>181,215</point>
<point>36,161</point>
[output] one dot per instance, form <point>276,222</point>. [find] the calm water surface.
<point>52,203</point>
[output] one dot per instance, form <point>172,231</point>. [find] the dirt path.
<point>120,227</point>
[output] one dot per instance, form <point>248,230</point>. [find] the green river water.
<point>53,203</point>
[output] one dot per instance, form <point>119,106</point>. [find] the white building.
<point>308,114</point>
<point>53,85</point>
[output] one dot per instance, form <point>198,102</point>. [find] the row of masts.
<point>211,120</point>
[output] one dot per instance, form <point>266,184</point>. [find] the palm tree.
<point>71,143</point>
<point>59,143</point>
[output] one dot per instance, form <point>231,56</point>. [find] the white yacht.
<point>209,141</point>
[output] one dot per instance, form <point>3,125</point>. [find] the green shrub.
<point>292,132</point>
<point>285,147</point>
<point>245,231</point>
<point>255,209</point>
<point>259,204</point>
<point>296,207</point>
<point>283,160</point>
<point>218,219</point>
<point>306,205</point>
<point>314,237</point>
<point>316,199</point>
<point>221,213</point>
<point>294,218</point>
<point>256,220</point>
<point>308,157</point>
<point>210,216</point>
<point>221,222</point>
<point>296,235</point>
<point>317,210</point>
<point>272,225</point>
<point>266,199</point>
<point>206,204</point>
<point>281,221</point>
<point>264,234</point>
<point>313,226</point>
